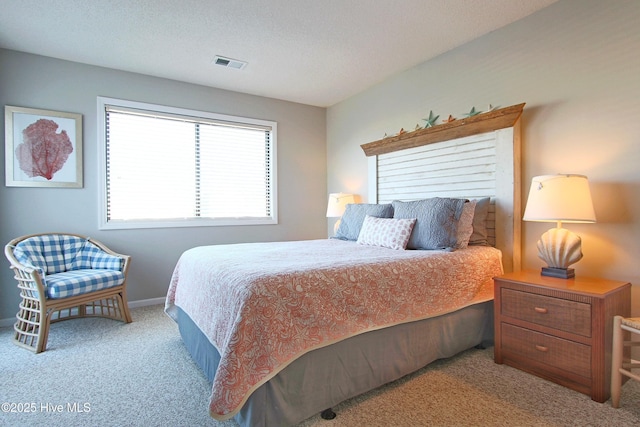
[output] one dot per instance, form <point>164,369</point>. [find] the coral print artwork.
<point>46,147</point>
<point>43,151</point>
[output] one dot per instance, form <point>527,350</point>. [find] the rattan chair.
<point>65,276</point>
<point>621,363</point>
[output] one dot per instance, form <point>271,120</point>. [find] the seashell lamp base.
<point>559,248</point>
<point>561,273</point>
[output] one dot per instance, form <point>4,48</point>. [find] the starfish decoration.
<point>417,127</point>
<point>449,119</point>
<point>431,120</point>
<point>402,131</point>
<point>473,112</point>
<point>491,108</point>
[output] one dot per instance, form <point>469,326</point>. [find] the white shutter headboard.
<point>468,158</point>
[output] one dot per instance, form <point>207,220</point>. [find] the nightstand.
<point>559,329</point>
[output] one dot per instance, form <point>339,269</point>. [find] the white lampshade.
<point>559,198</point>
<point>338,203</point>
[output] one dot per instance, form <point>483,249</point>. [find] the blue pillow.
<point>436,222</point>
<point>354,215</point>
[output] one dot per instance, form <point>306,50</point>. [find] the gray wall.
<point>576,64</point>
<point>39,82</point>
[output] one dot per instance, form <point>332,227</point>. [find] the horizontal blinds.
<point>171,166</point>
<point>233,172</point>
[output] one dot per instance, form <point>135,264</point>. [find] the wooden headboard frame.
<point>474,157</point>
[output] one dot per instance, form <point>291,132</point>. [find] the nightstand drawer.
<point>564,315</point>
<point>560,353</point>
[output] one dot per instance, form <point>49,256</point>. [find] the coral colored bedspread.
<point>262,305</point>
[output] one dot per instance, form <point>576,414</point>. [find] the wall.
<point>577,67</point>
<point>40,82</point>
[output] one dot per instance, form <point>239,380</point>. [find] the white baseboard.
<point>132,304</point>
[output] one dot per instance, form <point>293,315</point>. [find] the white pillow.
<point>465,224</point>
<point>392,233</point>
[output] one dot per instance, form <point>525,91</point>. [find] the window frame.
<point>105,224</point>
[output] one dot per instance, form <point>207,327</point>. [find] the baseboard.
<point>7,322</point>
<point>132,304</point>
<point>146,302</point>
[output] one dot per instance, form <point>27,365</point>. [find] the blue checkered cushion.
<point>56,253</point>
<point>50,254</point>
<point>76,282</point>
<point>70,265</point>
<point>91,256</point>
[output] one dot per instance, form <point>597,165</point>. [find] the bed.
<point>285,330</point>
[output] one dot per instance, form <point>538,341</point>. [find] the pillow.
<point>479,236</point>
<point>51,253</point>
<point>354,215</point>
<point>392,233</point>
<point>465,224</point>
<point>92,257</point>
<point>436,221</point>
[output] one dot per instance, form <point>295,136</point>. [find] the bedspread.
<point>262,305</point>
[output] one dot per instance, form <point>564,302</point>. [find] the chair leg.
<point>124,305</point>
<point>616,361</point>
<point>46,325</point>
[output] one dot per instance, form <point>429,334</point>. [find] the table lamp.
<point>559,198</point>
<point>337,204</point>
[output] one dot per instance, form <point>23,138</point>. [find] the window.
<point>170,167</point>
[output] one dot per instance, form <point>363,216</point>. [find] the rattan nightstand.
<point>559,329</point>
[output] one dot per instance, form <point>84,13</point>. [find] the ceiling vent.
<point>229,63</point>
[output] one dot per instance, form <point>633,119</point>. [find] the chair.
<point>65,276</point>
<point>621,363</point>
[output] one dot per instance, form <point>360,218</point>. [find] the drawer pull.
<point>542,348</point>
<point>541,310</point>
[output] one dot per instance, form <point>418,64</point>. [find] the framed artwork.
<point>43,148</point>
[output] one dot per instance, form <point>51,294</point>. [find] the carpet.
<point>99,372</point>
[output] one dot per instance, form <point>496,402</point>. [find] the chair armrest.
<point>30,278</point>
<point>27,268</point>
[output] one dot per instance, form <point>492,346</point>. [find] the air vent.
<point>229,63</point>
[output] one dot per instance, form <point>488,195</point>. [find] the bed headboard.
<point>471,158</point>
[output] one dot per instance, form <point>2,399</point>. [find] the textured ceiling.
<point>316,52</point>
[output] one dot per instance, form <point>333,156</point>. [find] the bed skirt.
<point>327,376</point>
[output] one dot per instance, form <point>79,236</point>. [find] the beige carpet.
<point>104,373</point>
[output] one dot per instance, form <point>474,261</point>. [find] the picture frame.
<point>43,148</point>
